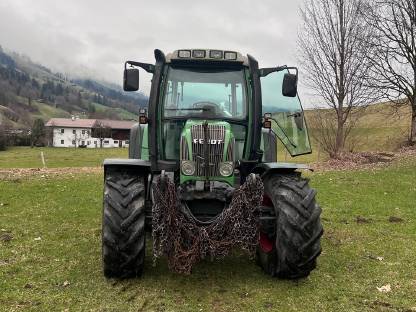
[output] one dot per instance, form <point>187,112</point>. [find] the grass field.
<point>52,262</point>
<point>377,130</point>
<point>25,157</point>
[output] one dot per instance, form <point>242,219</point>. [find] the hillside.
<point>381,127</point>
<point>29,91</point>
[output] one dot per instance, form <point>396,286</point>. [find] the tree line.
<point>356,53</point>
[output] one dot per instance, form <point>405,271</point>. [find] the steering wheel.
<point>210,109</point>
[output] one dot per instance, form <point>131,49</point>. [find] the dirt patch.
<point>6,237</point>
<point>17,173</point>
<point>364,160</point>
<point>379,305</point>
<point>28,286</point>
<point>4,262</point>
<point>394,219</point>
<point>361,220</point>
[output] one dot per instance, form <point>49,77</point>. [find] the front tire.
<point>123,227</point>
<point>289,249</point>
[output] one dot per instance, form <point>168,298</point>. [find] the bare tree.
<point>82,136</point>
<point>333,45</point>
<point>38,132</point>
<point>324,123</point>
<point>49,133</point>
<point>393,56</point>
<point>101,131</point>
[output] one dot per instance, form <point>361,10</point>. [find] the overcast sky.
<point>95,37</point>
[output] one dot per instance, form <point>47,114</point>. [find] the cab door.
<point>288,120</point>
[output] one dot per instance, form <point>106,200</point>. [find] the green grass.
<point>25,157</point>
<point>47,112</point>
<point>65,212</point>
<point>122,113</point>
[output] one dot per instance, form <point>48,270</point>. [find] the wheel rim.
<point>265,244</point>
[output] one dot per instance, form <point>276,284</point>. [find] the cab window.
<point>287,113</point>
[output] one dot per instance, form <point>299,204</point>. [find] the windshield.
<point>205,94</point>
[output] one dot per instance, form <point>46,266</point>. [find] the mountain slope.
<point>29,91</point>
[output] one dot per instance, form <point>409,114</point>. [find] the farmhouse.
<point>89,133</point>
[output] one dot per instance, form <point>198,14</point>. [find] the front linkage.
<point>177,235</point>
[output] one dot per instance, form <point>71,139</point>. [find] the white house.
<point>89,133</point>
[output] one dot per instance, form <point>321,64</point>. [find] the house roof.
<point>89,123</point>
<point>116,124</point>
<point>71,123</point>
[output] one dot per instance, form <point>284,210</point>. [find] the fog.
<point>93,38</point>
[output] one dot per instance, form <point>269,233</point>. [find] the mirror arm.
<point>147,67</point>
<point>263,72</point>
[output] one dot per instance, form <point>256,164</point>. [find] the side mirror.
<point>131,79</point>
<point>290,85</point>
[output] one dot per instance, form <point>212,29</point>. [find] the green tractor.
<point>211,131</point>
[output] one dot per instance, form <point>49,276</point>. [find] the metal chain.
<point>177,236</point>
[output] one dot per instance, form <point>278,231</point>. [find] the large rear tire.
<point>123,227</point>
<point>289,248</point>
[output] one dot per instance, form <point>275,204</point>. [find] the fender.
<point>279,167</point>
<point>138,145</point>
<point>138,165</point>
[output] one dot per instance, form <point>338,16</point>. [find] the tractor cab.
<point>203,173</point>
<point>215,112</point>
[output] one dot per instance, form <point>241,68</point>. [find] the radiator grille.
<point>216,136</point>
<point>184,149</point>
<point>230,150</point>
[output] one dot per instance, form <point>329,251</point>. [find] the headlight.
<point>188,167</point>
<point>184,53</point>
<point>226,168</point>
<point>215,54</point>
<point>228,55</point>
<point>198,53</point>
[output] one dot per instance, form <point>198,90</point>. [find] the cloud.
<point>94,38</point>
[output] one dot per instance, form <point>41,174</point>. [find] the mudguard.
<point>138,145</point>
<point>139,165</point>
<point>282,167</point>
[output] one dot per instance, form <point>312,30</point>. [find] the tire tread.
<point>298,226</point>
<point>123,233</point>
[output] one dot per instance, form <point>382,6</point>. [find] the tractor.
<point>215,123</point>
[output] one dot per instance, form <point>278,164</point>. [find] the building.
<point>89,133</point>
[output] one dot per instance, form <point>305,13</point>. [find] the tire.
<point>289,249</point>
<point>123,225</point>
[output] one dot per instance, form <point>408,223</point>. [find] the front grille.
<point>216,134</point>
<point>184,149</point>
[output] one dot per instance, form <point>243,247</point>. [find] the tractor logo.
<point>211,142</point>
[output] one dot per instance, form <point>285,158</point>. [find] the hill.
<point>29,91</point>
<point>381,128</point>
